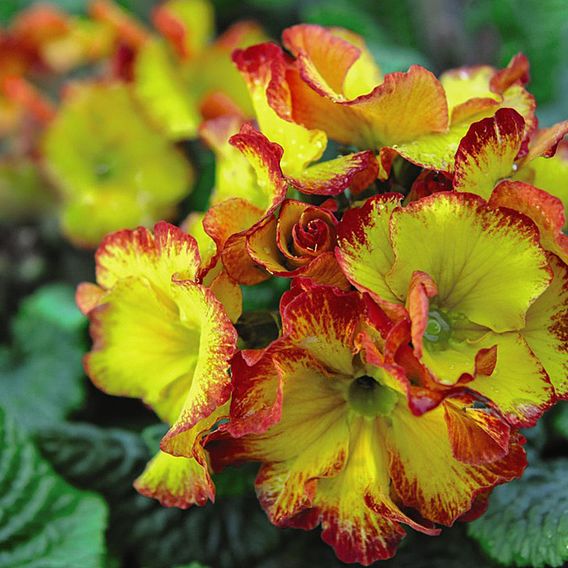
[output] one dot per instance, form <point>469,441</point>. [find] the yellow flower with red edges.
<point>339,444</point>
<point>485,304</point>
<point>333,88</point>
<point>162,336</point>
<point>494,155</point>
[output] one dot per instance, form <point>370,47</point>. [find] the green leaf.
<point>41,375</point>
<point>44,522</point>
<point>232,532</point>
<point>527,520</point>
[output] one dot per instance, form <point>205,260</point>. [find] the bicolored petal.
<point>358,516</point>
<point>176,481</point>
<point>263,68</point>
<point>265,158</point>
<point>549,174</point>
<point>544,209</point>
<point>478,433</point>
<point>154,256</point>
<point>545,141</point>
<point>365,251</point>
<point>519,385</point>
<point>473,253</point>
<point>487,152</point>
<point>437,151</point>
<point>546,332</point>
<point>426,475</point>
<point>234,174</point>
<point>228,224</point>
<point>356,171</point>
<point>168,346</point>
<point>416,98</point>
<point>323,321</point>
<point>468,91</point>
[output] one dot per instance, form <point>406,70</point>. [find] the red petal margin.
<point>356,171</point>
<point>517,71</point>
<point>545,141</point>
<point>120,254</point>
<point>265,157</point>
<point>229,223</point>
<point>487,152</point>
<point>257,396</point>
<point>478,433</point>
<point>544,209</point>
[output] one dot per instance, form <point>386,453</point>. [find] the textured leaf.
<point>41,376</point>
<point>233,532</point>
<point>44,522</point>
<point>527,520</point>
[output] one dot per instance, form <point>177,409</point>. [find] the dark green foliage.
<point>44,522</point>
<point>41,374</point>
<point>527,520</point>
<point>560,420</point>
<point>233,532</point>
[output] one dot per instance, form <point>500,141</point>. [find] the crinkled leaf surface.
<point>44,522</point>
<point>41,374</point>
<point>233,532</point>
<point>527,520</point>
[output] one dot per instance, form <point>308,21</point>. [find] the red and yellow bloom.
<point>339,444</point>
<point>162,336</point>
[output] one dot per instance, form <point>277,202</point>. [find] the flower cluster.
<point>106,147</point>
<point>419,221</point>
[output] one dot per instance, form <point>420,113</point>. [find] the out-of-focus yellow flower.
<point>112,168</point>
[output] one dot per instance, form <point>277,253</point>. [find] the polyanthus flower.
<point>333,87</point>
<point>112,168</point>
<point>338,442</point>
<point>486,304</point>
<point>162,336</point>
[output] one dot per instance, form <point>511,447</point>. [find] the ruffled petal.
<point>365,252</point>
<point>546,332</point>
<point>263,68</point>
<point>140,253</point>
<point>519,385</point>
<point>486,263</point>
<point>176,481</point>
<point>487,152</point>
<point>426,474</point>
<point>544,209</point>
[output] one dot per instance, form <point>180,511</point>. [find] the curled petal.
<point>427,476</point>
<point>140,253</point>
<point>546,332</point>
<point>544,209</point>
<point>487,152</point>
<point>176,481</point>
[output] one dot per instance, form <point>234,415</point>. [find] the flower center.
<point>438,330</point>
<point>370,398</point>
